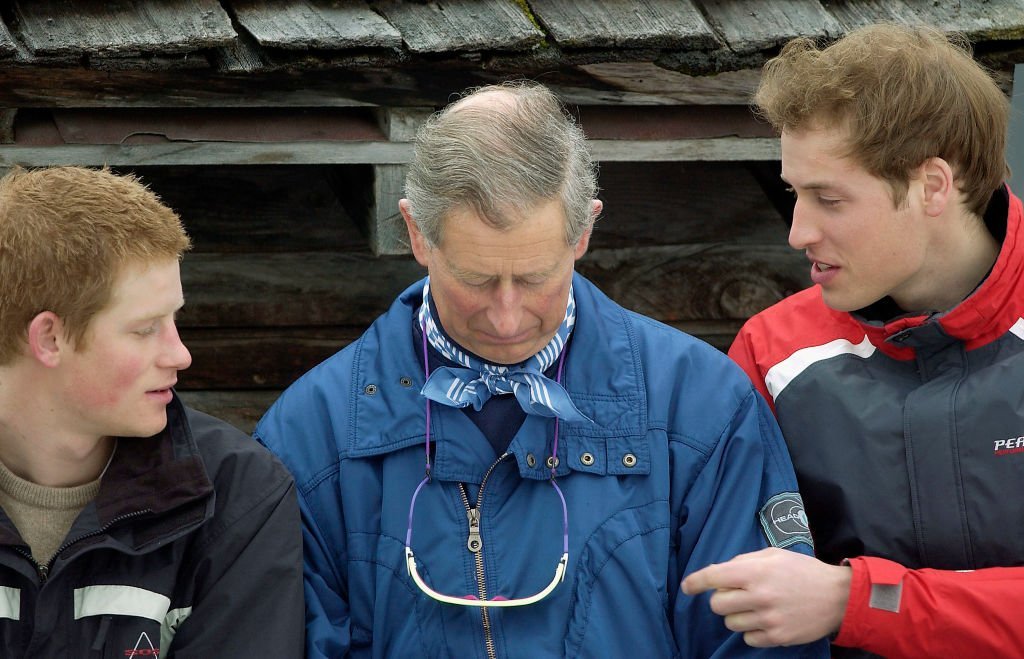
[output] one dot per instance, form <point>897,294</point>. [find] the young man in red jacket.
<point>898,378</point>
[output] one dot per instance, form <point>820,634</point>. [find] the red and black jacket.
<point>907,435</point>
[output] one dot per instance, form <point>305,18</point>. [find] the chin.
<point>148,428</point>
<point>842,303</point>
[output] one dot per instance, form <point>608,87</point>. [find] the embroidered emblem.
<point>143,648</point>
<point>784,520</point>
<point>1008,446</point>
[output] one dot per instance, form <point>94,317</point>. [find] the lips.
<point>822,273</point>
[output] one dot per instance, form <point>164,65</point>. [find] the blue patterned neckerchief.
<point>478,380</point>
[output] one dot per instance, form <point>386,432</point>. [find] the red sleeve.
<point>898,612</point>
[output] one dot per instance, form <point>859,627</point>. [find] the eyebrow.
<point>154,316</point>
<point>813,185</point>
<point>465,274</point>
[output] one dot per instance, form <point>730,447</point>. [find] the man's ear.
<point>417,242</point>
<point>596,205</point>
<point>939,185</point>
<point>46,338</point>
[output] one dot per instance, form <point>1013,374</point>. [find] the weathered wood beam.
<point>58,27</point>
<point>315,25</point>
<point>462,25</point>
<point>258,358</point>
<point>208,153</point>
<point>241,409</point>
<point>387,232</point>
<point>638,24</point>
<point>374,153</point>
<point>670,283</point>
<point>7,117</point>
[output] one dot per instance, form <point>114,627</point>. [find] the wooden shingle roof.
<point>416,52</point>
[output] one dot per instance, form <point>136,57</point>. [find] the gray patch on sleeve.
<point>784,520</point>
<point>886,597</point>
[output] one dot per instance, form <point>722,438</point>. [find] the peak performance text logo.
<point>1008,446</point>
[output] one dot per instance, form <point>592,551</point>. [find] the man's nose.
<point>804,230</point>
<point>505,312</point>
<point>175,354</point>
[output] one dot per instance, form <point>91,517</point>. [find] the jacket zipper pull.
<point>475,542</point>
<point>44,572</point>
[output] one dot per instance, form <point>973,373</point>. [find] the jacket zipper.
<point>43,570</point>
<point>474,543</point>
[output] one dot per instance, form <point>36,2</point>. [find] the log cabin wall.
<point>279,131</point>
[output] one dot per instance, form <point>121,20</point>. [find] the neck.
<point>35,446</point>
<point>962,255</point>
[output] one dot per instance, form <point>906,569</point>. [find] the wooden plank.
<point>341,153</point>
<point>706,149</point>
<point>670,122</point>
<point>7,117</point>
<point>675,282</point>
<point>645,83</point>
<point>387,231</point>
<point>753,25</point>
<point>264,125</point>
<point>852,14</point>
<point>616,24</point>
<point>320,24</point>
<point>990,20</point>
<point>60,27</point>
<point>258,209</point>
<point>208,153</point>
<point>242,409</point>
<point>263,359</point>
<point>462,25</point>
<point>258,358</point>
<point>290,289</point>
<point>655,203</point>
<point>415,82</point>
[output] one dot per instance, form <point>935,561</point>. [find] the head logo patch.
<point>784,520</point>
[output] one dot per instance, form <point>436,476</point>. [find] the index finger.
<point>713,577</point>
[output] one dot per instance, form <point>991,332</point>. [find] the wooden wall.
<point>281,275</point>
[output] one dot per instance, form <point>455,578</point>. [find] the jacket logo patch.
<point>1008,446</point>
<point>784,520</point>
<point>143,648</point>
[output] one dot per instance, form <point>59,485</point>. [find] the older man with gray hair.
<point>507,463</point>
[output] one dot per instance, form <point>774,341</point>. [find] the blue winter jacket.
<point>683,466</point>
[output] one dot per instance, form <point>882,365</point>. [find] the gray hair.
<point>501,159</point>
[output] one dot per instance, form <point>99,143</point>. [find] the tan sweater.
<point>43,515</point>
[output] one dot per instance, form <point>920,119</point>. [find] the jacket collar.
<point>159,479</point>
<point>389,373</point>
<point>985,315</point>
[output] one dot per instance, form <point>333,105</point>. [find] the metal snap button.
<point>370,389</point>
<point>587,459</point>
<point>629,460</point>
<point>530,460</point>
<point>405,381</point>
<point>552,462</point>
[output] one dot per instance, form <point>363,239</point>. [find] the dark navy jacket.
<point>191,549</point>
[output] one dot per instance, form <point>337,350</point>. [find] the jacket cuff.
<point>876,589</point>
